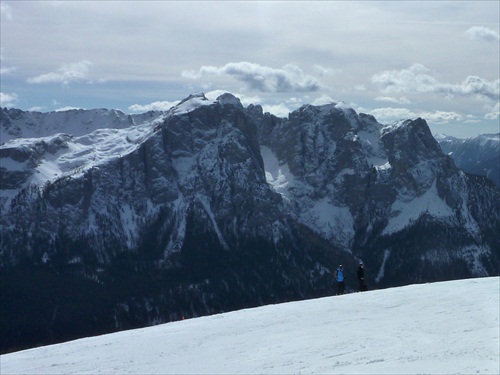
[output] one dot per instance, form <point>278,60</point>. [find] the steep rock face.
<point>387,194</point>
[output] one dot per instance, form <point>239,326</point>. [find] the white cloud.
<point>6,11</point>
<point>473,86</point>
<point>441,117</point>
<point>482,33</point>
<point>325,72</point>
<point>65,74</point>
<point>297,101</point>
<point>389,115</point>
<point>289,78</point>
<point>279,110</point>
<point>155,106</point>
<point>36,109</point>
<point>7,70</point>
<point>417,78</point>
<point>324,99</point>
<point>7,100</point>
<point>493,113</point>
<point>388,99</point>
<point>67,108</point>
<point>3,69</point>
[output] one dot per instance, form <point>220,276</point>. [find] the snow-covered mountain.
<point>212,207</point>
<point>478,155</point>
<point>77,122</point>
<point>439,328</point>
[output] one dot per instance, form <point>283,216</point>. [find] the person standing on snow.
<point>339,276</point>
<point>361,277</point>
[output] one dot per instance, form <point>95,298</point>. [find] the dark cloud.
<point>289,78</point>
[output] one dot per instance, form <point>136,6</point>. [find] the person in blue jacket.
<point>339,276</point>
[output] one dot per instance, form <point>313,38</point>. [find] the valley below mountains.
<point>112,221</point>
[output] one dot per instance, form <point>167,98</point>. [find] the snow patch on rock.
<point>404,211</point>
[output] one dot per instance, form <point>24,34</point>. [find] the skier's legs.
<point>341,288</point>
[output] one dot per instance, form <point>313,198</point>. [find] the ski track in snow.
<point>441,328</point>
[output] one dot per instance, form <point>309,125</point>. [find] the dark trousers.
<point>362,285</point>
<point>340,287</point>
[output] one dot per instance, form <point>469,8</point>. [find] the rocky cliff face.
<point>387,194</point>
<point>212,206</point>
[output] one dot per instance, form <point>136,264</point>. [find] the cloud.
<point>471,86</point>
<point>417,78</point>
<point>388,99</point>
<point>389,115</point>
<point>67,108</point>
<point>7,100</point>
<point>65,74</point>
<point>8,70</point>
<point>441,117</point>
<point>493,113</point>
<point>36,109</point>
<point>289,78</point>
<point>6,11</point>
<point>482,33</point>
<point>3,69</point>
<point>325,72</point>
<point>155,106</point>
<point>324,99</point>
<point>279,110</point>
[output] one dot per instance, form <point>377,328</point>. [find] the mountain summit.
<point>213,206</point>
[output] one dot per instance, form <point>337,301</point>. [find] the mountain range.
<point>112,221</point>
<point>478,155</point>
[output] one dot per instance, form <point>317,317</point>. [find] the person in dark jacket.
<point>339,276</point>
<point>361,277</point>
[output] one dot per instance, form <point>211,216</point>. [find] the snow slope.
<point>442,328</point>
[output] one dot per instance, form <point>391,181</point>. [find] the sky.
<point>439,60</point>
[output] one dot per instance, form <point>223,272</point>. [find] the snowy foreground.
<point>440,328</point>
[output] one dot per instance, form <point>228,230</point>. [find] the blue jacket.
<point>340,275</point>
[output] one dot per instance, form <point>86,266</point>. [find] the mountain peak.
<point>229,99</point>
<point>190,103</point>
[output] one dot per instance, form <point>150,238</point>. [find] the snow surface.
<point>441,328</point>
<point>278,174</point>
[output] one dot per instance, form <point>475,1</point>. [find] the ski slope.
<point>441,328</point>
